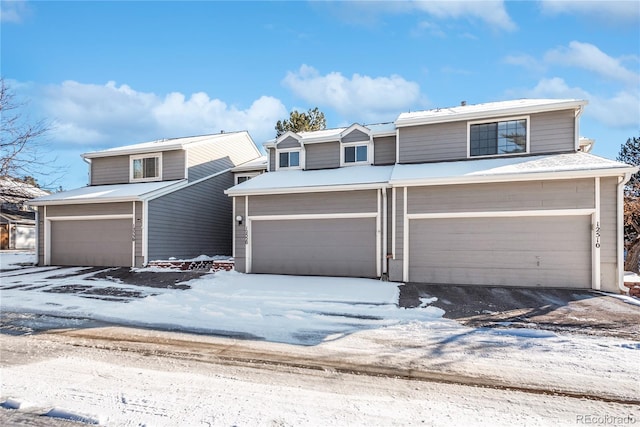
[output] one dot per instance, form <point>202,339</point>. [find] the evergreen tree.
<point>630,154</point>
<point>302,122</point>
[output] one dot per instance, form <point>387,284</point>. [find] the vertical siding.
<point>384,150</point>
<point>138,230</point>
<point>240,230</point>
<point>355,136</point>
<point>288,142</point>
<point>41,243</point>
<point>429,143</point>
<point>206,159</point>
<point>322,156</point>
<point>110,170</point>
<point>271,153</point>
<point>608,234</point>
<point>193,221</point>
<point>552,132</point>
<point>173,165</point>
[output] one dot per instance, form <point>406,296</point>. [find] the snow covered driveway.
<point>335,324</point>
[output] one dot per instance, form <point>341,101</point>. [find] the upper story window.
<point>289,159</point>
<point>146,167</point>
<point>355,153</point>
<point>242,177</point>
<point>499,138</point>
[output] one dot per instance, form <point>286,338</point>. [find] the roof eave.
<point>478,115</point>
<point>510,177</point>
<point>131,151</point>
<point>308,189</point>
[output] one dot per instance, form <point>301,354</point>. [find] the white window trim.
<point>290,150</point>
<point>132,158</point>
<point>245,175</point>
<point>502,119</point>
<point>369,146</point>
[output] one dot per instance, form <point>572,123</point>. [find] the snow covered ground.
<point>354,320</point>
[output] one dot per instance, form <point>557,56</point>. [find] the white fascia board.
<point>85,201</point>
<point>286,135</point>
<point>132,151</point>
<point>499,112</point>
<point>533,176</point>
<point>298,190</point>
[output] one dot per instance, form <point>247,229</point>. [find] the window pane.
<point>150,169</point>
<point>137,169</point>
<point>349,154</point>
<point>361,153</point>
<point>294,159</point>
<point>242,179</point>
<point>284,160</point>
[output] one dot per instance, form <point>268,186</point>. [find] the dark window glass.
<point>294,159</point>
<point>242,179</point>
<point>506,137</point>
<point>361,153</point>
<point>349,154</point>
<point>284,160</point>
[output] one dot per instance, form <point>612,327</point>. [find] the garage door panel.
<point>91,242</point>
<point>513,251</point>
<point>325,247</point>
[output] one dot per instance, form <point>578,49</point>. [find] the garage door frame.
<point>49,220</point>
<point>250,219</point>
<point>592,212</point>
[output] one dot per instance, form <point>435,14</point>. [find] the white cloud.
<point>13,11</point>
<point>590,57</point>
<point>526,61</point>
<point>91,114</point>
<point>620,110</point>
<point>611,11</point>
<point>357,98</point>
<point>491,12</point>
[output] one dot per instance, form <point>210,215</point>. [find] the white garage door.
<point>521,251</point>
<point>319,247</point>
<point>105,242</point>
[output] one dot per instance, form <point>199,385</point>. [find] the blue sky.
<point>115,73</point>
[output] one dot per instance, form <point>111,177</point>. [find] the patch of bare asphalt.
<point>170,279</point>
<point>561,310</point>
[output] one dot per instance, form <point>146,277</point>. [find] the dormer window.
<point>146,167</point>
<point>289,159</point>
<point>499,138</point>
<point>355,153</point>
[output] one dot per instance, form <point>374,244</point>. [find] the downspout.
<point>385,260</point>
<point>89,163</point>
<point>622,180</point>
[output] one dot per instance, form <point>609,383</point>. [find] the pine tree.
<point>630,154</point>
<point>302,122</point>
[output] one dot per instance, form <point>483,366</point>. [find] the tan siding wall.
<point>90,209</point>
<point>314,203</point>
<point>552,132</point>
<point>608,234</point>
<point>173,165</point>
<point>563,194</point>
<point>289,142</point>
<point>209,158</point>
<point>322,156</point>
<point>240,238</point>
<point>110,170</point>
<point>355,136</point>
<point>384,150</point>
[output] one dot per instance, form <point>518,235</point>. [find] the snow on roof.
<point>159,145</point>
<point>105,193</point>
<point>299,179</point>
<point>486,110</point>
<point>474,169</point>
<point>14,191</point>
<point>382,128</point>
<point>324,135</point>
<point>256,164</point>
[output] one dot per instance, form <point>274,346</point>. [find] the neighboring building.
<point>17,219</point>
<point>144,202</point>
<point>492,194</point>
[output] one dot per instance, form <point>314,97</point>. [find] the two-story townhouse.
<point>145,202</point>
<point>500,193</point>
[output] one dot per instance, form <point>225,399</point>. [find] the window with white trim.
<point>357,153</point>
<point>146,167</point>
<point>499,138</point>
<point>242,177</point>
<point>289,159</point>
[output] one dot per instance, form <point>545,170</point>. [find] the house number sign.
<point>597,230</point>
